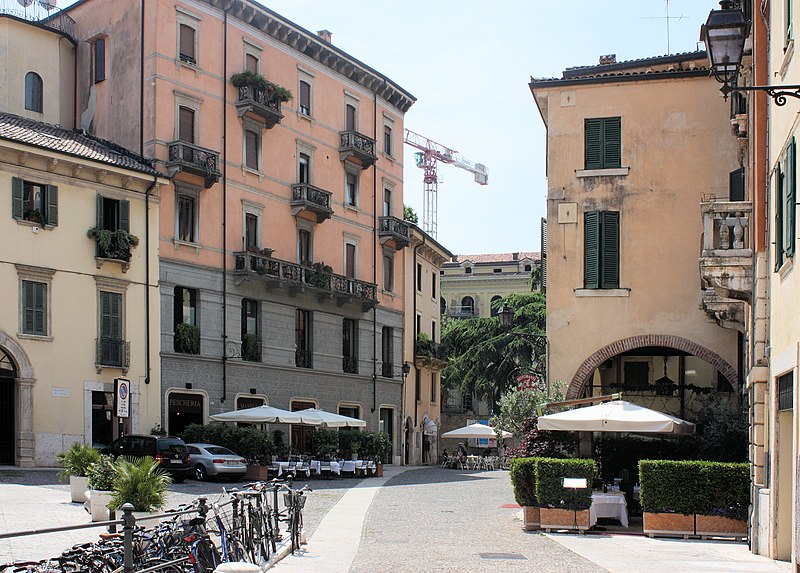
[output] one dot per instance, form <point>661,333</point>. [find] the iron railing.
<point>113,352</point>
<point>387,370</point>
<point>303,359</point>
<point>310,198</point>
<point>41,14</point>
<point>464,311</point>
<point>358,145</point>
<point>251,348</point>
<point>262,102</point>
<point>350,364</point>
<point>396,229</point>
<point>196,160</point>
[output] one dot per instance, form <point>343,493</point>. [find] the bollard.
<point>128,523</point>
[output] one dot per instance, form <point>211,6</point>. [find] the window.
<point>736,185</point>
<point>433,285</point>
<point>99,60</point>
<point>302,339</point>
<point>434,394</point>
<point>251,343</point>
<point>34,92</point>
<point>433,330</point>
<point>788,32</point>
<point>304,255</point>
<point>387,351</point>
<point>785,209</point>
<point>34,202</point>
<point>468,305</point>
<point>187,333</point>
<point>349,117</point>
<point>303,168</point>
<point>251,63</point>
<point>186,117</point>
<point>388,272</point>
<point>350,260</point>
<point>187,49</point>
<point>252,147</point>
<point>186,217</point>
<point>114,215</point>
<point>351,189</point>
<point>34,308</point>
<point>637,376</point>
<point>111,346</point>
<point>497,271</point>
<point>351,411</point>
<point>387,202</point>
<point>601,250</point>
<point>349,346</point>
<point>387,139</point>
<point>786,392</point>
<point>603,143</point>
<point>527,268</point>
<point>419,277</point>
<point>251,232</point>
<point>495,308</point>
<point>418,326</point>
<point>305,98</point>
<point>468,270</point>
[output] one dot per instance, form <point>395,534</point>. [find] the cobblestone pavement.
<point>441,520</point>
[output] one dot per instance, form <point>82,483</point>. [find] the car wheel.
<point>200,472</point>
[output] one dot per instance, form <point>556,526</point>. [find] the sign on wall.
<point>122,397</point>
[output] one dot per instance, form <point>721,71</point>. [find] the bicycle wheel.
<point>207,557</point>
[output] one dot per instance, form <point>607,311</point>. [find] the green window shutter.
<point>51,196</point>
<point>612,142</point>
<point>609,240</point>
<point>100,212</point>
<point>594,143</point>
<point>124,215</point>
<point>27,307</point>
<point>778,218</point>
<point>790,194</point>
<point>17,195</point>
<point>111,315</point>
<point>39,308</point>
<point>736,185</point>
<point>591,249</point>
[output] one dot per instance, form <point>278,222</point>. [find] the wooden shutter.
<point>99,60</point>
<point>124,216</point>
<point>305,98</point>
<point>350,117</point>
<point>612,142</point>
<point>251,149</point>
<point>187,43</point>
<point>350,261</point>
<point>778,218</point>
<point>27,307</point>
<point>609,240</point>
<point>736,185</point>
<point>17,197</point>
<point>251,63</point>
<point>51,196</point>
<point>790,190</point>
<point>186,124</point>
<point>100,221</point>
<point>111,315</point>
<point>591,249</point>
<point>594,143</point>
<point>39,305</point>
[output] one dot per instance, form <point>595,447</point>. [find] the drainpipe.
<point>414,328</point>
<point>75,88</point>
<point>375,255</point>
<point>224,206</point>
<point>141,83</point>
<point>147,279</point>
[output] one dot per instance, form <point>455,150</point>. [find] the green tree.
<point>483,356</point>
<point>410,215</point>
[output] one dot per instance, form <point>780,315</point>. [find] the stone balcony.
<point>298,279</point>
<point>357,148</point>
<point>311,201</point>
<point>260,103</point>
<point>394,232</point>
<point>189,158</point>
<point>726,260</point>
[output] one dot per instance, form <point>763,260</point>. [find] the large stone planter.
<point>139,515</point>
<point>531,517</point>
<point>668,524</point>
<point>98,504</point>
<point>256,472</point>
<point>77,488</point>
<point>719,526</point>
<point>556,518</point>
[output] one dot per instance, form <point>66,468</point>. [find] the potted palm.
<point>101,476</point>
<point>76,461</point>
<point>140,482</point>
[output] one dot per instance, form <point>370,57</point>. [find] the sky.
<point>468,63</point>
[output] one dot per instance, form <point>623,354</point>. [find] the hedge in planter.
<point>550,474</point>
<point>523,479</point>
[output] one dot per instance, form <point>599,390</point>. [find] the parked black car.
<point>169,451</point>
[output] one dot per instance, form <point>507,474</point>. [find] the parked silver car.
<point>209,460</point>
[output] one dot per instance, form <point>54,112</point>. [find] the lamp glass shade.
<point>724,34</point>
<point>506,315</point>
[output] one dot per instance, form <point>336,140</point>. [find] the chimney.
<point>326,35</point>
<point>515,256</point>
<point>608,59</point>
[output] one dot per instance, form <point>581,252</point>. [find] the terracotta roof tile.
<point>494,258</point>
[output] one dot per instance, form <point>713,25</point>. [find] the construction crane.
<point>431,153</point>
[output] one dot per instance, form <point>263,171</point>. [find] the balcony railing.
<point>189,158</point>
<point>299,277</point>
<point>354,146</point>
<point>309,199</point>
<point>467,311</point>
<point>251,348</point>
<point>40,13</point>
<point>394,232</point>
<point>350,364</point>
<point>387,370</point>
<point>302,359</point>
<point>429,354</point>
<point>113,353</point>
<point>726,261</point>
<point>262,103</point>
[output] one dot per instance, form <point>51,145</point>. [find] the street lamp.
<point>724,34</point>
<point>405,369</point>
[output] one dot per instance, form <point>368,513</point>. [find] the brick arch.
<point>586,369</point>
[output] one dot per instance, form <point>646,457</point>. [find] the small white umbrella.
<point>615,416</point>
<point>261,415</point>
<point>476,431</point>
<point>329,419</point>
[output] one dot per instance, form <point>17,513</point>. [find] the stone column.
<point>26,439</point>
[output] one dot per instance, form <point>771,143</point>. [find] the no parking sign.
<point>122,396</point>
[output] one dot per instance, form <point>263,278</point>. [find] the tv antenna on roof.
<point>666,17</point>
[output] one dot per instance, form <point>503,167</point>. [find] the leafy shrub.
<point>101,474</point>
<point>349,441</point>
<point>523,479</point>
<point>256,446</point>
<point>187,338</point>
<point>76,460</point>
<point>544,443</point>
<point>140,482</point>
<point>550,491</point>
<point>324,443</point>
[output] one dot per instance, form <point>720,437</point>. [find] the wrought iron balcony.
<point>189,158</point>
<point>113,353</point>
<point>298,278</point>
<point>251,348</point>
<point>387,370</point>
<point>468,311</point>
<point>261,103</point>
<point>44,14</point>
<point>302,359</point>
<point>312,200</point>
<point>350,364</point>
<point>394,232</point>
<point>357,147</point>
<point>429,354</point>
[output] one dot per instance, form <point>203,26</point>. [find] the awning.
<point>429,427</point>
<point>616,416</point>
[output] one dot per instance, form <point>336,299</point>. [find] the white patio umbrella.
<point>262,415</point>
<point>475,431</point>
<point>615,416</point>
<point>329,419</point>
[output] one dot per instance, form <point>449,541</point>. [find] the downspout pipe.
<point>141,82</point>
<point>414,327</point>
<point>147,279</point>
<point>374,256</point>
<point>224,206</point>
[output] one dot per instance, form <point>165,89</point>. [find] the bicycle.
<point>294,500</point>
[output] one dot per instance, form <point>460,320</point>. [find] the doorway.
<point>184,409</point>
<point>8,410</point>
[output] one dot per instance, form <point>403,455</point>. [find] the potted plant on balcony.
<point>187,338</point>
<point>251,347</point>
<point>76,461</point>
<point>140,482</point>
<point>319,275</point>
<point>113,244</point>
<point>256,80</point>
<point>100,476</point>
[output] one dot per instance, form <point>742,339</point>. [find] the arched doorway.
<point>8,410</point>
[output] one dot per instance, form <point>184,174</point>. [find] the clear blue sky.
<point>468,62</point>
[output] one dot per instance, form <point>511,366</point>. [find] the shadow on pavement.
<point>435,474</point>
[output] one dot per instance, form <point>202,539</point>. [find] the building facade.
<point>421,350</point>
<point>282,243</point>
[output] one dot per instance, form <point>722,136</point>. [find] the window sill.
<point>181,64</point>
<point>388,157</point>
<point>124,264</point>
<point>178,243</point>
<point>602,292</point>
<point>353,208</point>
<point>305,116</point>
<point>614,172</point>
<point>42,337</point>
<point>34,225</point>
<point>246,170</point>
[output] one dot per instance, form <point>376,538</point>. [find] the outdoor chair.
<point>325,469</point>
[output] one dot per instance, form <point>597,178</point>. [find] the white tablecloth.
<point>611,505</point>
<point>350,465</point>
<point>282,467</point>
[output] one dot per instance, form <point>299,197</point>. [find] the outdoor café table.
<point>611,505</point>
<point>473,462</point>
<point>351,465</point>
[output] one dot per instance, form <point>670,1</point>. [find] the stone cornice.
<point>314,47</point>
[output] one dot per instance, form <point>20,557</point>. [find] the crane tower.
<point>427,158</point>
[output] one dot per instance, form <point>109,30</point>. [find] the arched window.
<point>468,305</point>
<point>34,92</point>
<point>495,309</point>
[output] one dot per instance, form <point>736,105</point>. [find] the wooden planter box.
<point>554,518</point>
<point>719,526</point>
<point>531,516</point>
<point>256,472</point>
<point>668,524</point>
